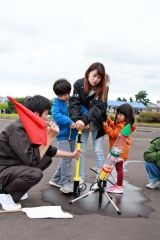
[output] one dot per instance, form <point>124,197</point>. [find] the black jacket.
<point>17,149</point>
<point>96,108</point>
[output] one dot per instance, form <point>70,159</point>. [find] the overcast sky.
<point>43,40</point>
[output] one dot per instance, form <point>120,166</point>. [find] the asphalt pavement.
<point>140,207</point>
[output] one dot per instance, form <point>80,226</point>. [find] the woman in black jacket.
<point>88,110</point>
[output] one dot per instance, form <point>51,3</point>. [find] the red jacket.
<point>113,130</point>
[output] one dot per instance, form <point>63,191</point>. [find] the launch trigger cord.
<point>82,187</point>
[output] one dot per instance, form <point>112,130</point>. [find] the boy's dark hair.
<point>61,87</point>
<point>37,104</point>
<point>127,110</point>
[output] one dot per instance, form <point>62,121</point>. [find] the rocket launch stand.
<point>101,189</point>
<point>107,168</point>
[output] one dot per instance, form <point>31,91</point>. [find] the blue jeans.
<point>63,174</point>
<point>153,172</point>
<point>97,148</point>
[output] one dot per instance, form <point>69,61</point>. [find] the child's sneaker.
<point>95,187</point>
<point>81,180</point>
<point>8,204</point>
<point>67,188</point>
<point>115,189</point>
<point>153,185</point>
<point>54,184</point>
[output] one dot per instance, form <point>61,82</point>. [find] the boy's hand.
<point>52,128</point>
<point>73,125</point>
<point>76,153</point>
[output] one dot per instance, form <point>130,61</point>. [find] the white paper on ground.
<point>46,212</point>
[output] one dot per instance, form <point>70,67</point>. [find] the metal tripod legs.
<point>101,190</point>
<point>82,196</point>
<point>110,200</point>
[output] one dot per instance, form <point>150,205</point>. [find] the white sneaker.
<point>81,180</point>
<point>24,197</point>
<point>95,186</point>
<point>153,185</point>
<point>67,188</point>
<point>8,204</point>
<point>54,184</point>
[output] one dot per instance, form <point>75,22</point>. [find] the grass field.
<point>8,116</point>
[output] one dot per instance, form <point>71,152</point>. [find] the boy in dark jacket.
<point>22,162</point>
<point>152,163</point>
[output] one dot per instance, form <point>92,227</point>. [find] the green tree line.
<point>9,107</point>
<point>141,96</point>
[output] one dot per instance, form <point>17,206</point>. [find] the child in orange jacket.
<point>124,115</point>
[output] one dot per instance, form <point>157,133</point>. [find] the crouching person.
<point>152,163</point>
<point>22,162</point>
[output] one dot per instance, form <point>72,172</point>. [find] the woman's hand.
<point>86,127</point>
<point>80,125</point>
